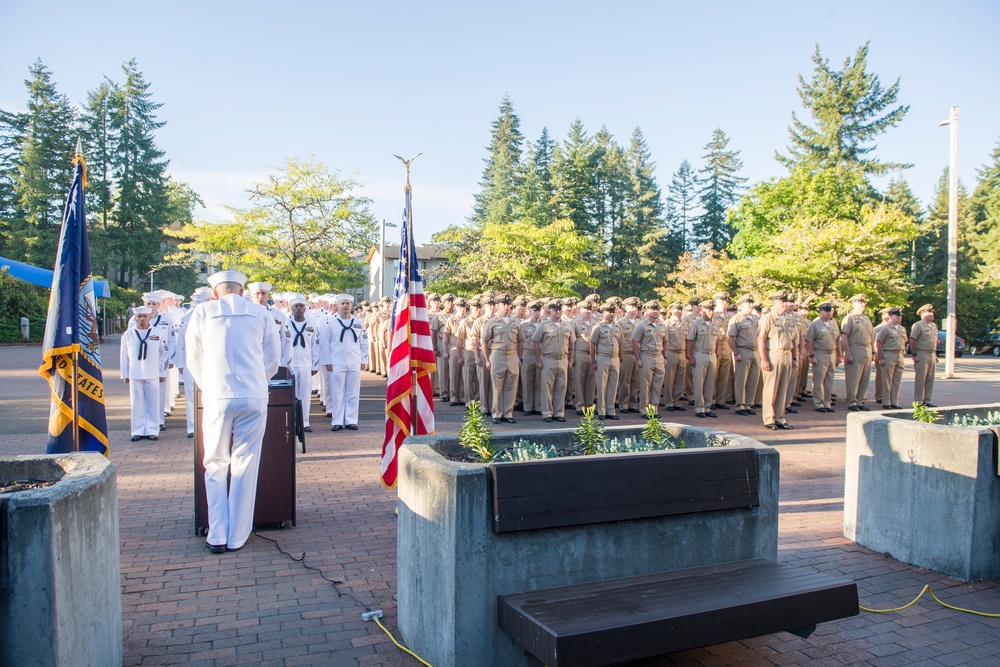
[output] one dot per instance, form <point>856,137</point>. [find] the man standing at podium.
<point>233,348</point>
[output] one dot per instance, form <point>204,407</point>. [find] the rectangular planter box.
<point>925,494</point>
<point>452,565</point>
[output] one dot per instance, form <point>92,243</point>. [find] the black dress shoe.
<point>795,404</point>
<point>216,548</point>
<point>785,426</point>
<point>756,405</point>
<point>668,408</point>
<point>927,405</point>
<point>820,409</point>
<point>711,414</point>
<point>444,399</point>
<point>700,414</point>
<point>496,420</point>
<point>336,428</point>
<point>887,407</point>
<point>579,413</point>
<point>163,427</point>
<point>601,417</point>
<point>721,406</point>
<point>680,409</point>
<point>894,407</point>
<point>190,435</point>
<point>560,419</point>
<point>690,402</point>
<point>352,427</point>
<point>615,417</point>
<point>730,402</point>
<point>152,437</point>
<point>136,438</point>
<point>510,420</point>
<point>792,410</point>
<point>853,408</point>
<point>307,429</point>
<point>751,412</point>
<point>741,412</point>
<point>547,419</point>
<point>453,404</point>
<point>773,427</point>
<point>864,407</point>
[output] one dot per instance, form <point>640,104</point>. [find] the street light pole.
<point>951,323</point>
<point>381,257</point>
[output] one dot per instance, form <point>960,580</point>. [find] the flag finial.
<point>79,147</point>
<point>406,163</point>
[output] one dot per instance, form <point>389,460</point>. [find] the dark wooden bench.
<point>615,621</point>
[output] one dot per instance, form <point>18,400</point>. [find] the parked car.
<point>942,339</point>
<point>987,343</point>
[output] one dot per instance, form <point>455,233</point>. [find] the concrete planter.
<point>926,494</point>
<point>60,580</point>
<point>452,567</point>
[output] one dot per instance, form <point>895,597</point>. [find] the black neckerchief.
<point>299,337</point>
<point>143,346</point>
<point>155,322</point>
<point>344,329</point>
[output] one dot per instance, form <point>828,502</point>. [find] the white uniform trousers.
<point>146,413</point>
<point>345,392</point>
<point>326,392</point>
<point>230,509</point>
<point>303,387</point>
<point>174,380</point>
<point>163,400</point>
<point>189,399</point>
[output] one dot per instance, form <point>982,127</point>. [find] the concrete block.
<point>60,586</point>
<point>452,567</point>
<point>926,494</point>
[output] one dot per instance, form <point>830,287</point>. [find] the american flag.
<point>409,350</point>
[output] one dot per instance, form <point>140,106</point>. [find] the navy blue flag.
<point>71,335</point>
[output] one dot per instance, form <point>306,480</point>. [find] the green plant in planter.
<point>524,450</point>
<point>655,430</point>
<point>476,435</point>
<point>590,433</point>
<point>991,419</point>
<point>922,413</point>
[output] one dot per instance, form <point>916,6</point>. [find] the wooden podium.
<point>275,502</point>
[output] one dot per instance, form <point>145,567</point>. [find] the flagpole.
<point>76,400</point>
<point>409,244</point>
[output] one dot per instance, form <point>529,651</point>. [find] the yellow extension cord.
<point>398,645</point>
<point>927,589</point>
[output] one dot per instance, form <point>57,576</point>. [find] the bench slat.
<point>609,622</point>
<point>584,490</point>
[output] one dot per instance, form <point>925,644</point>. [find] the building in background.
<point>382,268</point>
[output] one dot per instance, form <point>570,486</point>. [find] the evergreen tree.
<point>932,246</point>
<point>39,146</point>
<point>139,169</point>
<point>681,198</point>
<point>850,109</point>
<point>636,249</point>
<point>502,177</point>
<point>984,216</point>
<point>573,180</point>
<point>720,190</point>
<point>901,195</point>
<point>535,201</point>
<point>98,149</point>
<point>611,185</point>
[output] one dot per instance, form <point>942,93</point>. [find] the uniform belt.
<point>549,356</point>
<point>742,347</point>
<point>926,349</point>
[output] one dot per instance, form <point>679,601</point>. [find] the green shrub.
<point>991,419</point>
<point>524,450</point>
<point>476,435</point>
<point>20,299</point>
<point>922,413</point>
<point>590,432</point>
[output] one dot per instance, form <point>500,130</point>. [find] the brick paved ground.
<point>183,605</point>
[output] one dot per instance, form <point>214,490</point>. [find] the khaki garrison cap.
<point>926,308</point>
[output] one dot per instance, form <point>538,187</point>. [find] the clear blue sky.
<point>245,84</point>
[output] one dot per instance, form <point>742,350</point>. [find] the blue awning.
<point>43,277</point>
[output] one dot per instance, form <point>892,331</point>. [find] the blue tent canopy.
<point>43,277</point>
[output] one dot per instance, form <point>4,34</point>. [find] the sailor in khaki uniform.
<point>649,345</point>
<point>890,346</point>
<point>503,344</point>
<point>884,314</point>
<point>702,339</point>
<point>553,342</point>
<point>605,357</point>
<point>695,312</point>
<point>531,374</point>
<point>823,348</point>
<point>583,369</point>
<point>628,377</point>
<point>775,341</point>
<point>742,339</point>
<point>673,372</point>
<point>144,360</point>
<point>723,358</point>
<point>856,341</point>
<point>923,347</point>
<point>450,336</point>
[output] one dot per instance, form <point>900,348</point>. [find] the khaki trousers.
<point>776,386</point>
<point>606,381</point>
<point>745,378</point>
<point>504,369</point>
<point>923,376</point>
<point>705,368</point>
<point>673,380</point>
<point>892,376</point>
<point>858,374</point>
<point>803,369</point>
<point>650,379</point>
<point>758,396</point>
<point>455,375</point>
<point>531,383</point>
<point>689,380</point>
<point>583,380</point>
<point>554,373</point>
<point>485,389</point>
<point>823,378</point>
<point>723,377</point>
<point>443,373</point>
<point>628,381</point>
<point>470,375</point>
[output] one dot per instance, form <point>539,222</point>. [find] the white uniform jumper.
<point>165,326</point>
<point>144,361</point>
<point>281,321</point>
<point>233,349</point>
<point>176,314</point>
<point>344,345</point>
<point>180,361</point>
<point>305,360</point>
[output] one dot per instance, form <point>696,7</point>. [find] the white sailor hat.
<point>343,297</point>
<point>142,310</point>
<point>260,287</point>
<point>202,292</point>
<point>152,297</point>
<point>226,277</point>
<point>296,299</point>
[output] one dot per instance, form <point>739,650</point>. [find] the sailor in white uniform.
<point>143,364</point>
<point>261,293</point>
<point>233,349</point>
<point>305,353</point>
<point>344,353</point>
<point>165,325</point>
<point>201,295</point>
